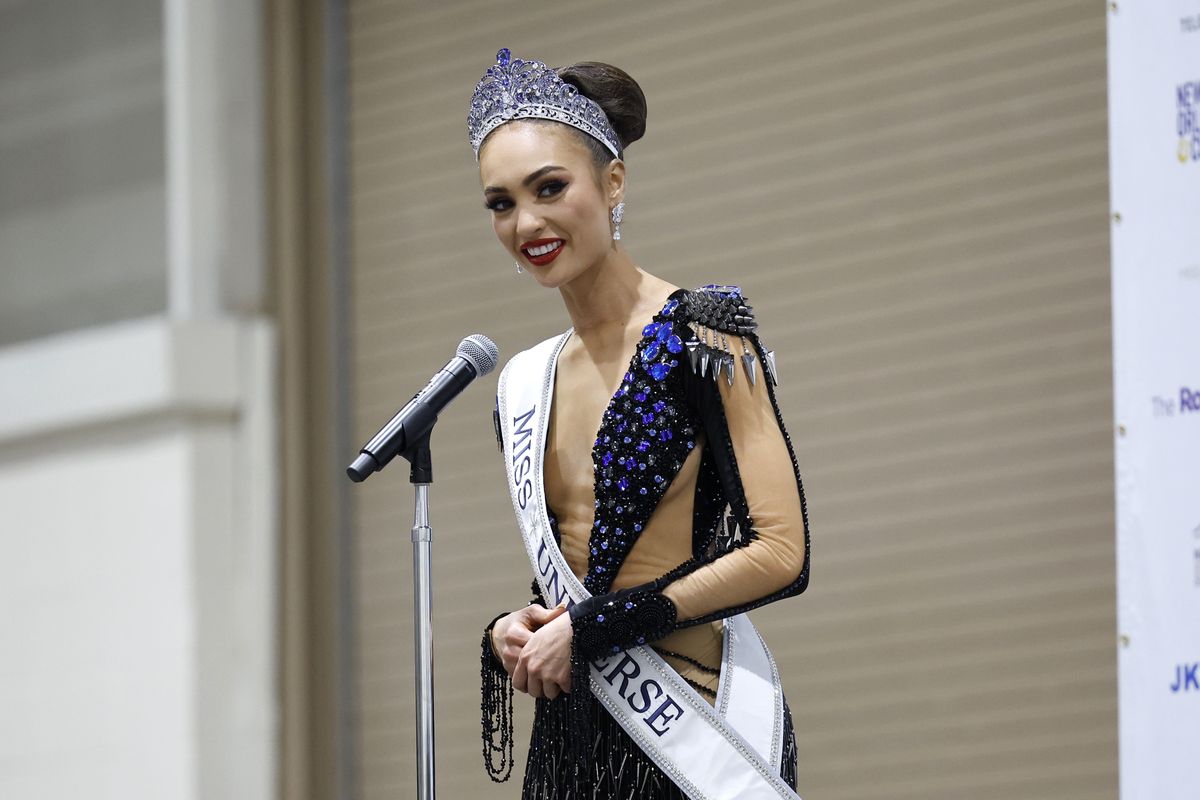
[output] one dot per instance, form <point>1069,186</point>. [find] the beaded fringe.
<point>616,768</point>
<point>579,702</point>
<point>496,713</point>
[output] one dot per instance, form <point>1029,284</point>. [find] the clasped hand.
<point>534,644</point>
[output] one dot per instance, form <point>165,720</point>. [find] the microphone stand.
<point>420,476</point>
<point>476,355</point>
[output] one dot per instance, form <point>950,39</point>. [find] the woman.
<point>645,448</point>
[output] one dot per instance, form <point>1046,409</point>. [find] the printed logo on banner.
<point>1185,402</point>
<point>1187,678</point>
<point>1187,121</point>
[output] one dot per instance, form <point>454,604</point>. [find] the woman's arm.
<point>772,560</point>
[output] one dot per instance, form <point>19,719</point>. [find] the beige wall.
<point>914,195</point>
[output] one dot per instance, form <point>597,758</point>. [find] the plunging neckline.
<point>630,365</point>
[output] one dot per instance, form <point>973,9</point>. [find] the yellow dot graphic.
<point>1183,151</point>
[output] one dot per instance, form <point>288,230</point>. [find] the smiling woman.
<point>654,482</point>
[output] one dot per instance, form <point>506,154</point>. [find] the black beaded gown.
<point>695,421</point>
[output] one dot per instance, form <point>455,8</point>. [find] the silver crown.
<point>516,89</point>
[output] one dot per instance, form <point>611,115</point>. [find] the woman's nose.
<point>529,224</point>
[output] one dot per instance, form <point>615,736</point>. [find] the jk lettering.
<point>1187,678</point>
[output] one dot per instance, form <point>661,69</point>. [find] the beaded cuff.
<point>609,623</point>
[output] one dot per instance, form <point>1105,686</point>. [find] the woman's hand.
<point>511,632</point>
<point>544,664</point>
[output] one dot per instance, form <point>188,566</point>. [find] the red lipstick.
<point>547,250</point>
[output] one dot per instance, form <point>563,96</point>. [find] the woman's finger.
<point>520,676</point>
<point>539,615</point>
<point>551,689</point>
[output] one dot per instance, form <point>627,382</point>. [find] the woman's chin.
<point>548,280</point>
<point>554,275</point>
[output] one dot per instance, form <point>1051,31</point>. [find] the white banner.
<point>1154,153</point>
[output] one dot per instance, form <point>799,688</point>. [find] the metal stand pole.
<point>421,476</point>
<point>422,539</point>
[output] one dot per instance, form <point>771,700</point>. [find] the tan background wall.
<point>914,195</point>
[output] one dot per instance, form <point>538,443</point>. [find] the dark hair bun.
<point>615,92</point>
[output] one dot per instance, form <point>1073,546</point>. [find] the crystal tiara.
<point>516,89</point>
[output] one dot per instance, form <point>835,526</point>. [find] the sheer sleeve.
<point>761,483</point>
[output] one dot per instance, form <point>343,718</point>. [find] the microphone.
<point>476,355</point>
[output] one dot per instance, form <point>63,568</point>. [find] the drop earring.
<point>517,264</point>
<point>618,214</point>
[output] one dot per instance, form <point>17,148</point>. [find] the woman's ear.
<point>614,182</point>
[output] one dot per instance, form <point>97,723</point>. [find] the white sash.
<point>732,750</point>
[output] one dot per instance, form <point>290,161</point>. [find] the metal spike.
<point>748,360</point>
<point>724,537</point>
<point>693,351</point>
<point>718,362</point>
<point>772,370</point>
<point>727,359</point>
<point>703,359</point>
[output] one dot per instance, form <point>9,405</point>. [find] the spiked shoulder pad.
<point>721,317</point>
<point>720,308</point>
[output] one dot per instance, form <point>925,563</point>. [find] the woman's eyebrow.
<point>530,178</point>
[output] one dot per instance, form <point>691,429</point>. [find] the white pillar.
<point>215,165</point>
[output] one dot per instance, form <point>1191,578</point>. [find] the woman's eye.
<point>551,188</point>
<point>497,204</point>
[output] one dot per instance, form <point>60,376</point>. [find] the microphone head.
<point>480,352</point>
